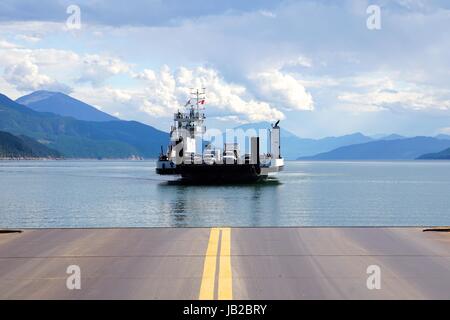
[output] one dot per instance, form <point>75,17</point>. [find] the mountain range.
<point>443,155</point>
<point>293,146</point>
<point>12,146</point>
<point>356,146</point>
<point>399,149</point>
<point>63,105</point>
<point>76,129</point>
<point>75,138</point>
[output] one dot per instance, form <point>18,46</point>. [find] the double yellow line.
<point>225,288</point>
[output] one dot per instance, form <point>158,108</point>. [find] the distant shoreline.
<point>70,159</point>
<point>28,158</point>
<point>293,160</point>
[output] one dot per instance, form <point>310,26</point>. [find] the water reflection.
<point>178,209</point>
<point>219,205</point>
<point>130,194</point>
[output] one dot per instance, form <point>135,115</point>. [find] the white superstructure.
<point>186,136</point>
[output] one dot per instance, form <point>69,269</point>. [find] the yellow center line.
<point>209,268</point>
<point>207,287</point>
<point>225,291</point>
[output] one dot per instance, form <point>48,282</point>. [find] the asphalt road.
<point>224,263</point>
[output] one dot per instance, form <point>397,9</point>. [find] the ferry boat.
<point>213,164</point>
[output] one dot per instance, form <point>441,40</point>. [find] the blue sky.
<point>314,64</point>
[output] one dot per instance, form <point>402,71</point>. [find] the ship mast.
<point>196,115</point>
<point>199,97</point>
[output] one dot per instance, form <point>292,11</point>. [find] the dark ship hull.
<point>220,173</point>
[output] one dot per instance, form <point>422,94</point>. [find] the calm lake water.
<point>129,194</point>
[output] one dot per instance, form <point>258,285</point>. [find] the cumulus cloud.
<point>26,77</point>
<point>23,68</point>
<point>163,92</point>
<point>31,69</point>
<point>283,90</point>
<point>7,45</point>
<point>96,69</point>
<point>62,60</point>
<point>168,90</point>
<point>262,58</point>
<point>146,74</point>
<point>415,99</point>
<point>32,38</point>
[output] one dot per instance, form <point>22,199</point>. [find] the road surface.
<point>225,263</point>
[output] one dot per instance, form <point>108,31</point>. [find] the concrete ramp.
<point>225,263</point>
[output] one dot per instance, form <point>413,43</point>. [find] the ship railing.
<point>213,157</point>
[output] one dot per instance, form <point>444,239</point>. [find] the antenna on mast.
<point>199,96</point>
